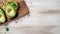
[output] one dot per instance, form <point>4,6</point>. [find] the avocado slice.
<point>2,16</point>
<point>10,9</point>
<point>10,12</point>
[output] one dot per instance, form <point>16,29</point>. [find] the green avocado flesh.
<point>10,9</point>
<point>2,16</point>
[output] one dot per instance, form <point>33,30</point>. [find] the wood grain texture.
<point>22,10</point>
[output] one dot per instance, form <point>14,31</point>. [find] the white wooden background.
<point>42,13</point>
<point>41,19</point>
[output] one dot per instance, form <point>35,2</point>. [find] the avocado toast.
<point>17,8</point>
<point>10,8</point>
<point>2,16</point>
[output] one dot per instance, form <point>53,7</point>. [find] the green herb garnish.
<point>7,29</point>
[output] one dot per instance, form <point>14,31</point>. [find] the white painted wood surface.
<point>40,21</point>
<point>42,13</point>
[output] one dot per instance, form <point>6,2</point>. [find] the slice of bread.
<point>22,10</point>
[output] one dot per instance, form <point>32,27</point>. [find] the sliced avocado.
<point>10,9</point>
<point>10,12</point>
<point>13,4</point>
<point>2,16</point>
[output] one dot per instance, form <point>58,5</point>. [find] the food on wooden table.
<point>10,8</point>
<point>2,16</point>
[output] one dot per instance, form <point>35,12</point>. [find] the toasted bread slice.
<point>21,11</point>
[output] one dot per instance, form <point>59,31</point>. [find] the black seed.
<point>16,22</point>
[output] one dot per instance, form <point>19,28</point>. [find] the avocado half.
<point>2,16</point>
<point>10,9</point>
